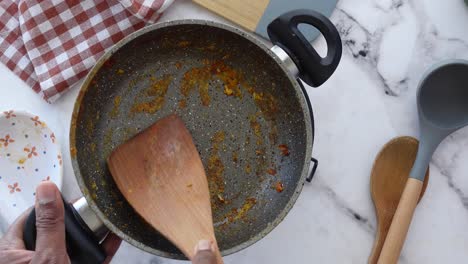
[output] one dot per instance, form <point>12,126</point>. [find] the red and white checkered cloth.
<point>51,44</point>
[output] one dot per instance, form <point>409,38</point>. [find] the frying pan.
<point>243,103</point>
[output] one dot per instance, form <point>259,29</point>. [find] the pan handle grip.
<point>82,245</point>
<point>313,69</point>
<point>314,169</point>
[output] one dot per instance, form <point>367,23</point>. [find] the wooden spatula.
<point>255,15</point>
<point>388,178</point>
<point>161,175</point>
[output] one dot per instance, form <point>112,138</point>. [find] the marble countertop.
<point>370,99</point>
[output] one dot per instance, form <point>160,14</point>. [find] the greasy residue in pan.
<point>241,110</point>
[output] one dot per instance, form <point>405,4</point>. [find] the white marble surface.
<point>370,99</point>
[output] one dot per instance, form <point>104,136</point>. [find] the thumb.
<point>50,224</point>
<point>204,253</point>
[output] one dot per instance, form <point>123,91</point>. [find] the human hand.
<point>205,253</point>
<point>50,240</point>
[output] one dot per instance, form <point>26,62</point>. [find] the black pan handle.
<point>82,245</point>
<point>314,169</point>
<point>313,69</point>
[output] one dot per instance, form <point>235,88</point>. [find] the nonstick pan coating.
<point>247,115</point>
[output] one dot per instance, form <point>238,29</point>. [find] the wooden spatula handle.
<point>401,222</point>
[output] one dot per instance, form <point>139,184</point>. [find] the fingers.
<point>13,238</point>
<point>49,219</point>
<point>16,256</point>
<point>204,253</point>
<point>111,244</point>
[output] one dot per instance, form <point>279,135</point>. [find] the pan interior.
<point>241,108</point>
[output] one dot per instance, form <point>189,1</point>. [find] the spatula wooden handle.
<point>401,221</point>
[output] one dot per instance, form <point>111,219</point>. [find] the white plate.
<point>29,154</point>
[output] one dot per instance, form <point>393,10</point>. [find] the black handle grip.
<point>313,69</point>
<point>82,244</point>
<point>314,169</point>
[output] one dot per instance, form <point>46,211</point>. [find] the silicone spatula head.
<point>442,106</point>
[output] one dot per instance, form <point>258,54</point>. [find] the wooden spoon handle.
<point>401,222</point>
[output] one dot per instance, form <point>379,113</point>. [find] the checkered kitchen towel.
<point>51,44</point>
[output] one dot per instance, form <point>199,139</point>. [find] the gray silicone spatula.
<point>443,109</point>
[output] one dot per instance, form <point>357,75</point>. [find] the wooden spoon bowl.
<point>388,179</point>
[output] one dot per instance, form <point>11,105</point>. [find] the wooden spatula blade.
<point>161,175</point>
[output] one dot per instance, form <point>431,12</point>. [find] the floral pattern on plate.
<point>29,154</point>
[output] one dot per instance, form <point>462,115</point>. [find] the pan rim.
<point>249,37</point>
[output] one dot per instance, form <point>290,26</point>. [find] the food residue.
<point>221,198</point>
<point>22,161</point>
<point>107,142</point>
<point>120,71</point>
<point>157,91</point>
<point>211,47</point>
<point>248,169</point>
<point>235,156</point>
<point>182,103</point>
<point>73,152</point>
<point>189,185</point>
<point>92,147</point>
<point>129,132</point>
<point>260,160</point>
<point>236,214</point>
<point>267,104</point>
<point>228,91</point>
<point>115,110</point>
<point>89,126</point>
<point>178,65</point>
<point>215,169</point>
<point>218,137</point>
<point>255,126</point>
<point>248,204</point>
<point>279,187</point>
<point>284,149</point>
<point>271,171</point>
<point>259,152</point>
<point>196,78</point>
<point>183,43</point>
<point>199,77</point>
<point>273,135</point>
<point>204,95</point>
<point>231,78</point>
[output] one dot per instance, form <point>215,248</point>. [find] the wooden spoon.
<point>388,178</point>
<point>161,175</point>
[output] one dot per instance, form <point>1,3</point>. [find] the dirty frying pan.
<point>243,104</point>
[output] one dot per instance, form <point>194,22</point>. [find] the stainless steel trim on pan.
<point>90,218</point>
<point>287,61</point>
